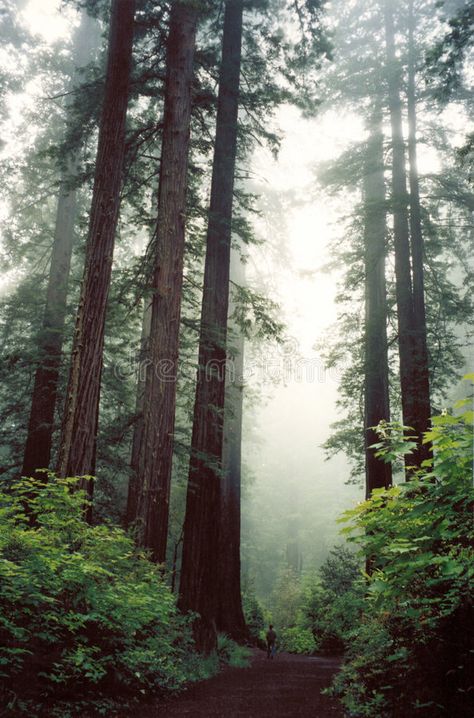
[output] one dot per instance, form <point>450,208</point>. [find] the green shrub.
<point>255,615</point>
<point>412,652</point>
<point>286,599</point>
<point>83,615</point>
<point>332,618</point>
<point>319,610</point>
<point>231,653</point>
<point>340,571</point>
<point>297,640</point>
<point>333,599</point>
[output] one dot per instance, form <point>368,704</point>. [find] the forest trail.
<point>288,686</point>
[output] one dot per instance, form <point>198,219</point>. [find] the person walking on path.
<point>271,637</point>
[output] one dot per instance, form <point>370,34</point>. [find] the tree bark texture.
<point>79,430</point>
<point>38,444</point>
<point>143,360</point>
<point>156,444</point>
<point>422,389</point>
<point>376,393</point>
<point>411,402</point>
<point>230,615</point>
<point>41,422</point>
<point>200,570</point>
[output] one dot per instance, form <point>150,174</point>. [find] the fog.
<point>236,356</point>
<point>293,494</point>
<point>288,470</point>
<point>290,420</point>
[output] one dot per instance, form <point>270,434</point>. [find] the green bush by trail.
<point>318,611</point>
<point>83,616</point>
<point>411,654</point>
<point>297,639</point>
<point>333,599</point>
<point>256,618</point>
<point>231,653</point>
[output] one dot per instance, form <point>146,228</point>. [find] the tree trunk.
<point>422,388</point>
<point>230,615</point>
<point>40,427</point>
<point>143,360</point>
<point>377,408</point>
<point>412,414</point>
<point>156,449</point>
<point>200,570</point>
<point>50,340</point>
<point>293,551</point>
<point>78,436</point>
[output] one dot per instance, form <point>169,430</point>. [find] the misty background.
<point>293,493</point>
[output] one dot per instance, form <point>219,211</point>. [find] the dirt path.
<point>287,686</point>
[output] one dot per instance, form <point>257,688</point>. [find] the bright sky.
<point>48,18</point>
<point>310,217</point>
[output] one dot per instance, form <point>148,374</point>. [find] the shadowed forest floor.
<point>290,685</point>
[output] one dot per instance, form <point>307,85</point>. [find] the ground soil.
<point>288,686</point>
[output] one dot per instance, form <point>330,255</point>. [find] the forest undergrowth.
<point>87,621</point>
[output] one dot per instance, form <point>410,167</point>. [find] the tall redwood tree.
<point>376,392</point>
<point>422,378</point>
<point>230,616</point>
<point>199,585</point>
<point>414,396</point>
<point>79,430</point>
<point>37,453</point>
<point>133,488</point>
<point>155,451</point>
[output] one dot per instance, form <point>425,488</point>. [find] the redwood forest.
<point>237,377</point>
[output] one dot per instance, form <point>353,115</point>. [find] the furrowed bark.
<point>156,444</point>
<point>38,444</point>
<point>143,360</point>
<point>200,570</point>
<point>377,408</point>
<point>78,436</point>
<point>230,615</point>
<point>422,388</point>
<point>412,416</point>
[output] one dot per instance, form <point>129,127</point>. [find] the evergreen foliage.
<point>410,651</point>
<point>447,59</point>
<point>319,611</point>
<point>256,617</point>
<point>332,600</point>
<point>444,216</point>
